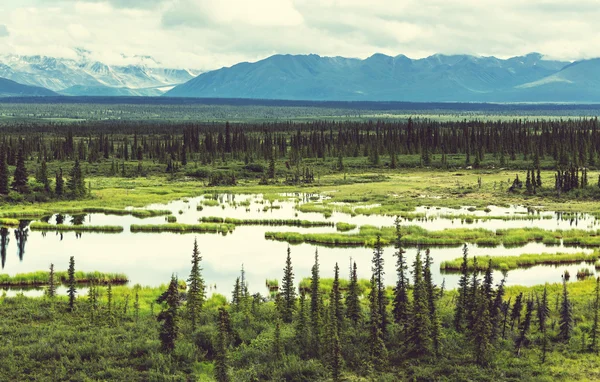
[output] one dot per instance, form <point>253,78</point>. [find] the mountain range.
<point>83,76</point>
<point>438,78</point>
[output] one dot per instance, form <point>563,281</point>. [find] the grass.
<point>9,222</point>
<point>344,227</point>
<point>184,228</point>
<point>414,235</point>
<point>36,213</point>
<point>39,226</point>
<point>506,263</point>
<point>41,278</point>
<point>171,219</point>
<point>267,222</point>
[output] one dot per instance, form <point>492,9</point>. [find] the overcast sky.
<point>209,34</point>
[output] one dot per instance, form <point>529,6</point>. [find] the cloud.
<point>208,34</point>
<point>4,31</point>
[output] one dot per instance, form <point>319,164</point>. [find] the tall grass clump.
<point>184,228</point>
<point>39,226</point>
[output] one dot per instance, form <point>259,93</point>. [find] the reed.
<point>344,227</point>
<point>506,263</point>
<point>171,219</point>
<point>39,226</point>
<point>184,228</point>
<point>41,278</point>
<point>9,222</point>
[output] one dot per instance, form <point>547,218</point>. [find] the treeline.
<point>564,142</point>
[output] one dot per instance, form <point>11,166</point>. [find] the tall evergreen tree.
<point>221,359</point>
<point>302,327</point>
<point>566,315</point>
<point>51,282</point>
<point>277,347</point>
<point>20,178</point>
<point>543,313</point>
<point>196,288</point>
<point>59,188</point>
<point>463,288</point>
<point>169,316</point>
<point>594,334</point>
<point>522,338</point>
<point>420,341</point>
<point>71,291</point>
<point>41,176</point>
<point>76,182</point>
<point>336,302</point>
<point>431,303</point>
<point>288,290</point>
<point>515,314</point>
<point>378,350</point>
<point>481,331</point>
<point>401,302</point>
<point>3,171</point>
<point>353,310</point>
<point>378,273</point>
<point>315,307</point>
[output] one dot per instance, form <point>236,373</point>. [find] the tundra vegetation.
<point>331,324</point>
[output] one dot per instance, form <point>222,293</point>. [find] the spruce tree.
<point>431,302</point>
<point>20,178</point>
<point>522,338</point>
<point>277,348</point>
<point>543,313</point>
<point>566,315</point>
<point>288,290</point>
<point>594,334</point>
<point>59,188</point>
<point>401,303</point>
<point>378,350</point>
<point>378,272</point>
<point>169,316</point>
<point>76,182</point>
<point>42,177</point>
<point>196,288</point>
<point>463,288</point>
<point>71,291</point>
<point>481,330</point>
<point>497,307</point>
<point>515,315</point>
<point>3,171</point>
<point>51,282</point>
<point>353,310</point>
<point>336,302</point>
<point>472,297</point>
<point>302,328</point>
<point>235,295</point>
<point>221,359</point>
<point>315,307</point>
<point>420,341</point>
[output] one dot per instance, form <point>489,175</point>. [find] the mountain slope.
<point>378,78</point>
<point>83,74</point>
<point>10,88</point>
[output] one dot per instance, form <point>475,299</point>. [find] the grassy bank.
<point>266,222</point>
<point>39,226</point>
<point>506,263</point>
<point>41,278</point>
<point>184,228</point>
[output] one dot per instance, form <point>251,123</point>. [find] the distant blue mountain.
<point>10,88</point>
<point>438,78</point>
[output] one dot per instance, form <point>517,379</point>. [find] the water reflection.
<point>4,239</point>
<point>21,235</point>
<point>78,219</point>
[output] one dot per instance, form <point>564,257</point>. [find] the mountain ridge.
<point>379,77</point>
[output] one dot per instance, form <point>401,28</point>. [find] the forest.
<point>331,324</point>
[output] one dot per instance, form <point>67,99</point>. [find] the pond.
<point>151,258</point>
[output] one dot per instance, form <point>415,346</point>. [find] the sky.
<point>209,34</point>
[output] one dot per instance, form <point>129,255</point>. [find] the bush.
<point>254,167</point>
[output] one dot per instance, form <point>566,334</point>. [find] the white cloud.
<point>208,34</point>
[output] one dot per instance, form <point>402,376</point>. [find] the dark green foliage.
<point>420,339</point>
<point>76,183</point>
<point>515,314</point>
<point>543,313</point>
<point>20,178</point>
<point>302,332</point>
<point>41,176</point>
<point>3,171</point>
<point>221,359</point>
<point>196,288</point>
<point>378,351</point>
<point>315,308</point>
<point>353,309</point>
<point>288,290</point>
<point>566,316</point>
<point>277,346</point>
<point>59,188</point>
<point>524,330</point>
<point>432,296</point>
<point>378,273</point>
<point>51,292</point>
<point>463,288</point>
<point>595,329</point>
<point>401,303</point>
<point>71,291</point>
<point>169,316</point>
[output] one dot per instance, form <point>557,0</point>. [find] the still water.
<point>151,258</point>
